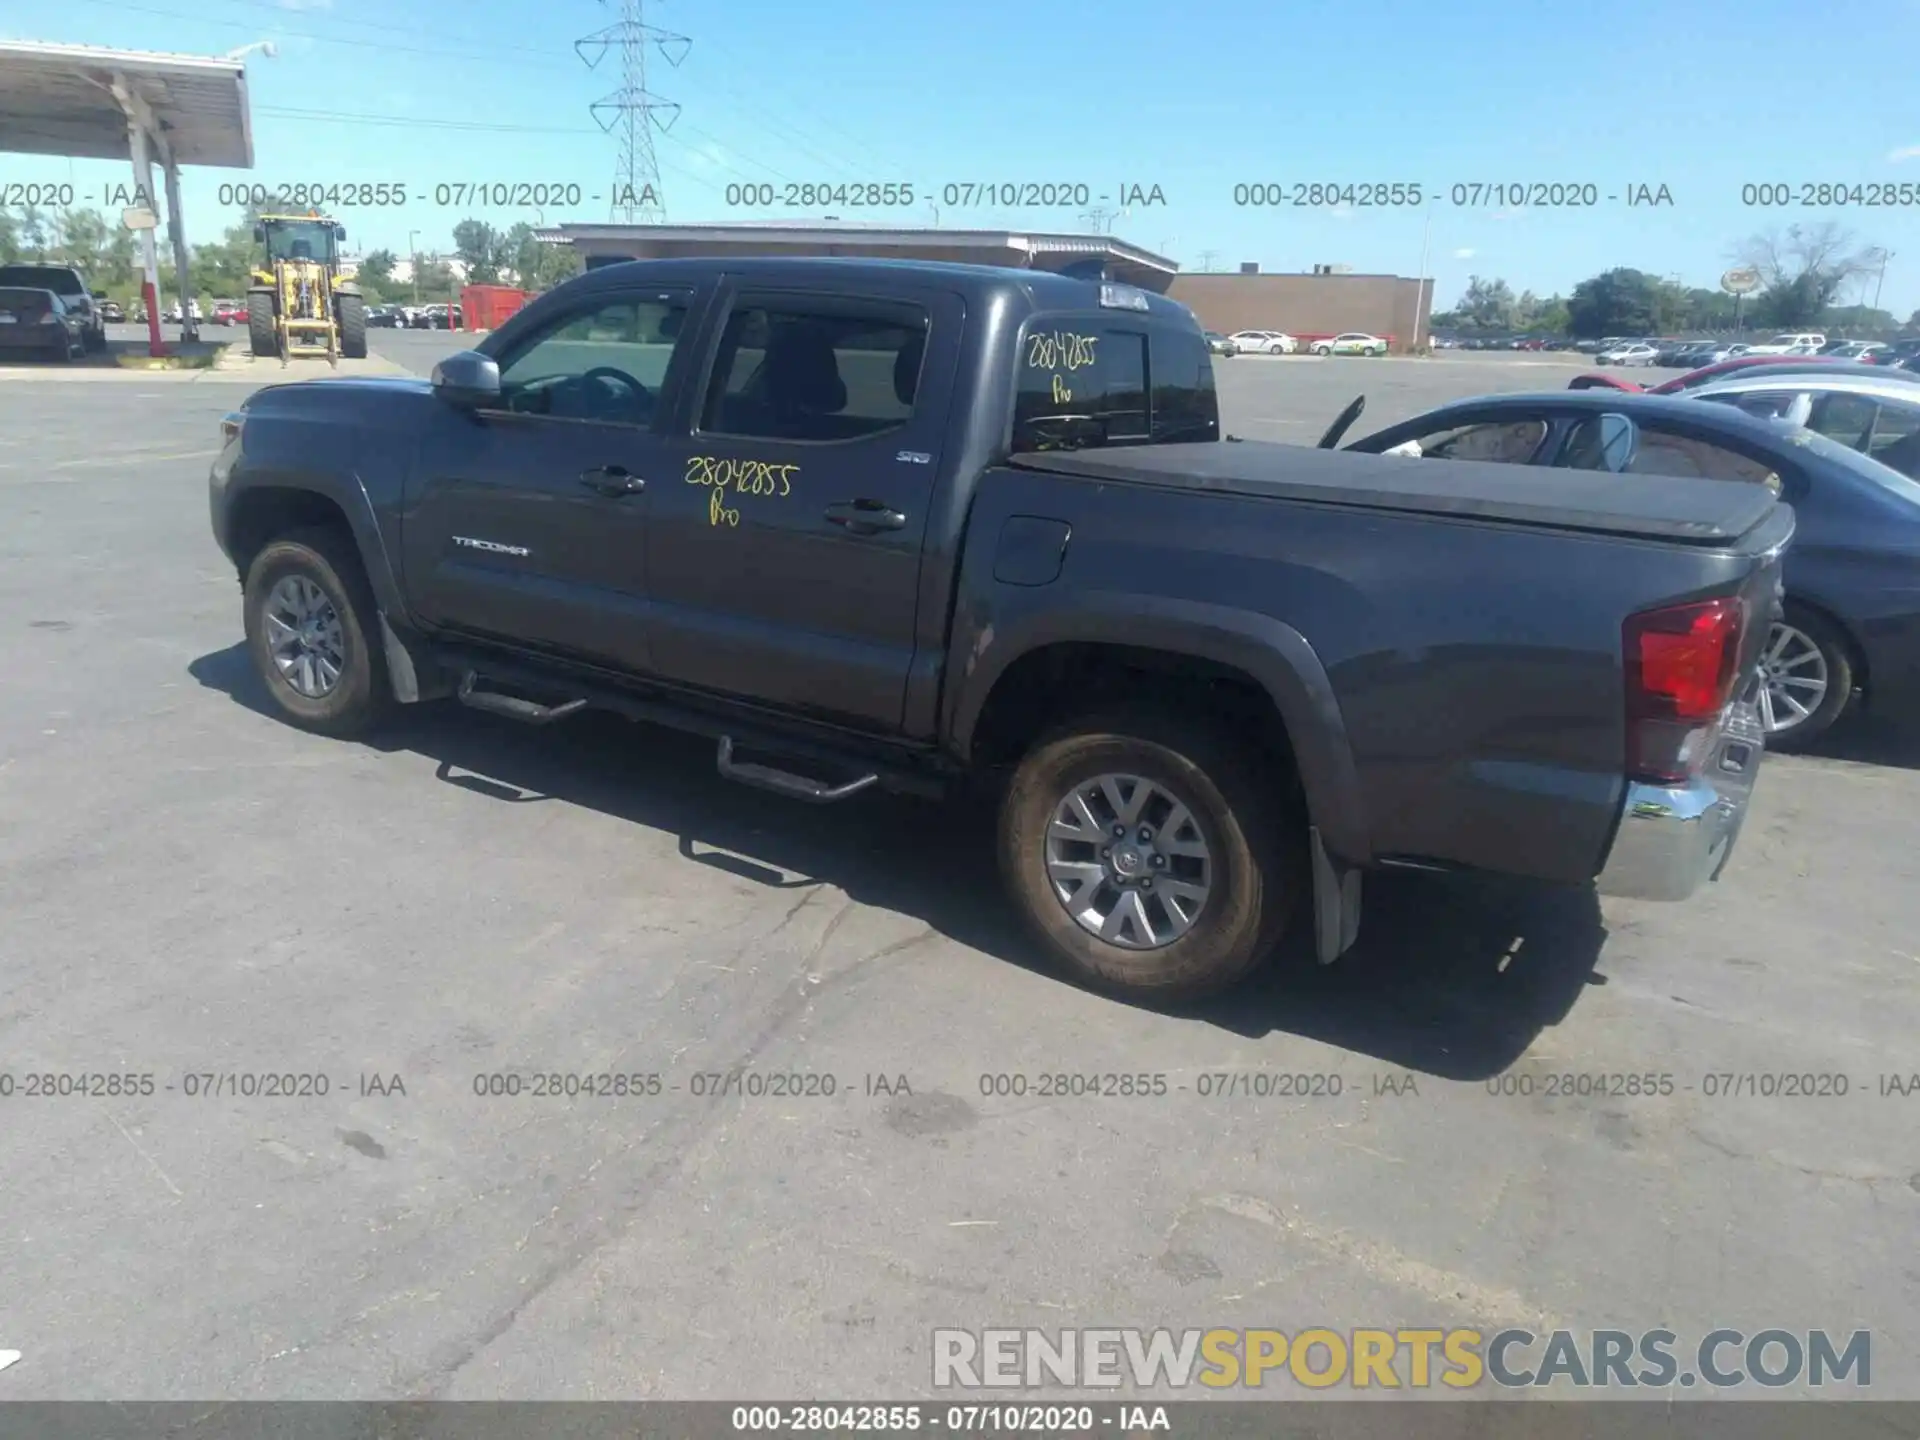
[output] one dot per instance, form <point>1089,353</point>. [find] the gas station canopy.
<point>61,100</point>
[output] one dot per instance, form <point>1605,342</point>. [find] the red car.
<point>226,312</point>
<point>1702,376</point>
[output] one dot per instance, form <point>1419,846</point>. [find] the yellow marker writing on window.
<point>1060,350</point>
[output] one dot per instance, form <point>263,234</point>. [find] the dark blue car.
<point>1851,631</point>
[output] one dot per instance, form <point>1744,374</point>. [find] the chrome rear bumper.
<point>1675,838</point>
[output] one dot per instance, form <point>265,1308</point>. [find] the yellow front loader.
<point>297,304</point>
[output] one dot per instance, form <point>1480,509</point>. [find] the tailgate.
<point>1764,589</point>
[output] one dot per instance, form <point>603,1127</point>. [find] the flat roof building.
<point>1300,304</point>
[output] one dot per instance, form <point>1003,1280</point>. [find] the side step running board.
<point>529,712</point>
<point>785,782</point>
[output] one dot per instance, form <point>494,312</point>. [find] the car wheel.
<point>1150,855</point>
<point>310,623</point>
<point>1806,679</point>
<point>1321,350</point>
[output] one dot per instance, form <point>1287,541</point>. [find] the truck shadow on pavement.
<point>1450,978</point>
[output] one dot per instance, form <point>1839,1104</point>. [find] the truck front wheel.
<point>311,620</point>
<point>1151,855</point>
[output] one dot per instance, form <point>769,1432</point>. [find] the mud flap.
<point>1336,902</point>
<point>414,678</point>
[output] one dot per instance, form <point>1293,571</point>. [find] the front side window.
<point>816,372</point>
<point>1847,418</point>
<point>605,363</point>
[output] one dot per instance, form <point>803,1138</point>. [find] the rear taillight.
<point>1682,666</point>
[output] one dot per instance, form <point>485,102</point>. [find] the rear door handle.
<point>865,517</point>
<point>612,480</point>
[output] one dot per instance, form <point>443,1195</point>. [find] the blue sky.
<point>1701,98</point>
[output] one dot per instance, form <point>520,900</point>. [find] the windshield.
<point>56,278</point>
<point>300,240</point>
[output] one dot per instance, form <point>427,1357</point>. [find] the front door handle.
<point>865,517</point>
<point>612,480</point>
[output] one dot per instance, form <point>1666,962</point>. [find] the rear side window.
<point>820,371</point>
<point>1133,385</point>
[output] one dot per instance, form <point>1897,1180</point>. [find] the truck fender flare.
<point>1276,655</point>
<point>348,492</point>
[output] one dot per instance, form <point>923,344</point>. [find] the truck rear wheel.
<point>1150,854</point>
<point>261,336</point>
<point>352,313</point>
<point>312,624</point>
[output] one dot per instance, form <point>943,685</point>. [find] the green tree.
<point>1802,271</point>
<point>434,279</point>
<point>376,278</point>
<point>1622,301</point>
<point>536,265</point>
<point>1487,305</point>
<point>482,248</point>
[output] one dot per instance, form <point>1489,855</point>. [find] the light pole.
<point>413,262</point>
<point>1881,279</point>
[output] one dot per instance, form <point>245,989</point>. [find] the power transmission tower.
<point>1207,257</point>
<point>632,112</point>
<point>1099,219</point>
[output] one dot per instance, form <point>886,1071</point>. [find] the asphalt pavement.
<point>198,893</point>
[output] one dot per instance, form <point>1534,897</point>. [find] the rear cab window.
<point>1137,379</point>
<point>60,279</point>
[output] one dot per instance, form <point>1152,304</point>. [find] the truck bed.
<point>1647,507</point>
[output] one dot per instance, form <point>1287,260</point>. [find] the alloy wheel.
<point>304,636</point>
<point>1128,861</point>
<point>1793,679</point>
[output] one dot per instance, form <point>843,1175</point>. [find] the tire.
<point>351,310</point>
<point>1835,660</point>
<point>360,698</point>
<point>92,342</point>
<point>1255,841</point>
<point>262,338</point>
<point>1322,350</point>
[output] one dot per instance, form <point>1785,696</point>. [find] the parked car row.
<point>79,307</point>
<point>415,317</point>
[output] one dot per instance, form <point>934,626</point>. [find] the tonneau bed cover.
<point>1650,507</point>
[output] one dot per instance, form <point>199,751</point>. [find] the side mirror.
<point>259,234</point>
<point>1606,442</point>
<point>99,294</point>
<point>467,380</point>
<point>339,232</point>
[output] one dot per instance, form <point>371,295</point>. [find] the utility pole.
<point>1207,257</point>
<point>413,247</point>
<point>632,111</point>
<point>1099,219</point>
<point>1881,279</point>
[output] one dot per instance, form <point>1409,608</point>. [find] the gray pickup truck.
<point>918,526</point>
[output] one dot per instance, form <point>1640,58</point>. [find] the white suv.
<point>1805,343</point>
